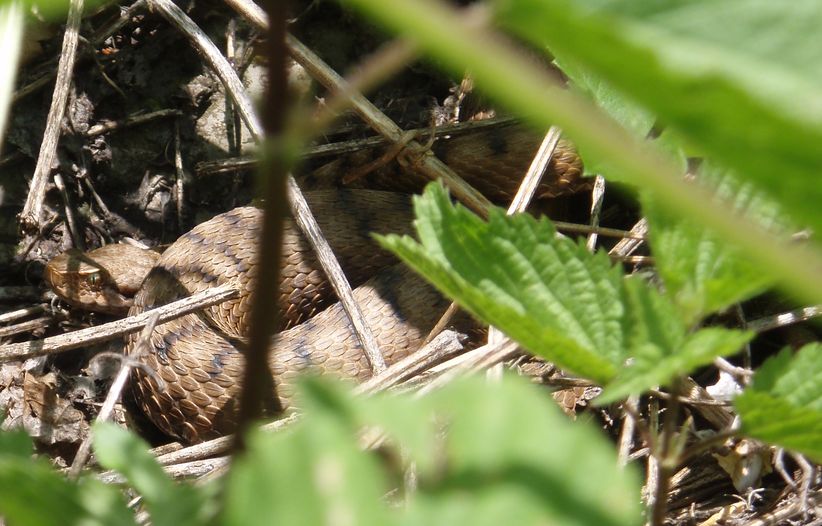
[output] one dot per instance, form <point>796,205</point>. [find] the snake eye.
<point>95,280</point>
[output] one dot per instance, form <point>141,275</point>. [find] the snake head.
<point>103,280</point>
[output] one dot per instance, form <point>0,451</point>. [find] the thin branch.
<point>8,317</point>
<point>26,326</point>
<point>115,329</point>
<point>665,463</point>
<point>71,220</point>
<point>786,318</point>
<point>626,435</point>
<point>114,393</point>
<point>336,149</point>
<point>445,345</point>
<point>257,389</point>
<point>630,243</point>
<point>132,120</point>
<point>30,216</point>
<point>472,361</point>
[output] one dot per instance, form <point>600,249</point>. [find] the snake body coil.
<point>199,356</point>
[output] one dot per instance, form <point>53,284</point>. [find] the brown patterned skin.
<point>509,150</point>
<point>493,160</point>
<point>199,356</point>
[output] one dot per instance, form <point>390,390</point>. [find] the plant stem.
<point>665,464</point>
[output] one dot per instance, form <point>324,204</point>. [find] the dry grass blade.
<point>115,329</point>
<point>32,210</point>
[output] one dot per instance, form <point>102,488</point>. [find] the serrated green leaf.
<point>548,293</point>
<point>168,503</point>
<point>652,367</point>
<point>314,473</point>
<point>664,352</point>
<point>492,466</point>
<point>703,273</point>
<point>35,494</point>
<point>746,96</point>
<point>783,404</point>
<point>654,320</point>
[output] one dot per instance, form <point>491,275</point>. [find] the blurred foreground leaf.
<point>482,453</point>
<point>33,493</point>
<point>168,502</point>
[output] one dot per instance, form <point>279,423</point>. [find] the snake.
<point>189,380</point>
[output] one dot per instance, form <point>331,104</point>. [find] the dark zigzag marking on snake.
<point>169,339</point>
<point>302,348</point>
<point>220,247</point>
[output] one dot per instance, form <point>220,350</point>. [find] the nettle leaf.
<point>652,366</point>
<point>492,466</point>
<point>654,320</point>
<point>555,298</point>
<point>313,473</point>
<point>783,404</point>
<point>634,118</point>
<point>703,273</point>
<point>548,293</point>
<point>35,494</point>
<point>631,116</point>
<point>661,347</point>
<point>168,503</point>
<point>735,81</point>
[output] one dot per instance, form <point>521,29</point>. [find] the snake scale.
<point>199,357</point>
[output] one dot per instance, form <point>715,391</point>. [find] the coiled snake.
<point>199,356</point>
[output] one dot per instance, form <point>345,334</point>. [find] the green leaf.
<point>314,473</point>
<point>16,443</point>
<point>703,273</point>
<point>783,404</point>
<point>660,347</point>
<point>168,503</point>
<point>548,293</point>
<point>654,320</point>
<point>493,466</point>
<point>734,80</point>
<point>652,366</point>
<point>35,494</point>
